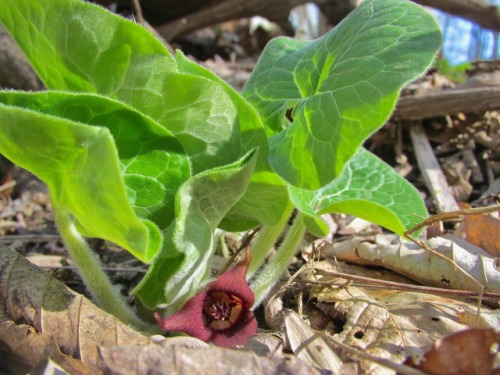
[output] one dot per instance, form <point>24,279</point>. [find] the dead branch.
<point>478,11</point>
<point>276,11</point>
<point>445,102</point>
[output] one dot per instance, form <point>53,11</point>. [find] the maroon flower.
<point>220,314</point>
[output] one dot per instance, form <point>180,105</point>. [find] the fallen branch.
<point>445,102</point>
<point>478,11</point>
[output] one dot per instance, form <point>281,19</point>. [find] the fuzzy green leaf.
<point>89,49</point>
<point>153,163</point>
<point>85,48</point>
<point>80,165</point>
<point>182,265</point>
<point>266,196</point>
<point>100,52</point>
<point>320,100</point>
<point>367,188</point>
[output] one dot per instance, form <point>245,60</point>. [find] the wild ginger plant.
<point>153,152</point>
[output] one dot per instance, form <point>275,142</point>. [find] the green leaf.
<point>84,48</point>
<point>264,202</point>
<point>88,49</point>
<point>153,163</point>
<point>79,163</point>
<point>214,124</point>
<point>266,196</point>
<point>183,263</point>
<point>320,100</point>
<point>316,226</point>
<point>251,130</point>
<point>367,188</point>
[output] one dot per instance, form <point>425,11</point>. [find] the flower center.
<point>222,310</point>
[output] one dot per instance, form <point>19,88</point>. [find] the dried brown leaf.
<point>27,348</point>
<point>50,318</point>
<point>389,324</point>
<point>406,258</point>
<point>483,231</point>
<point>469,352</point>
<point>316,353</point>
<point>136,360</point>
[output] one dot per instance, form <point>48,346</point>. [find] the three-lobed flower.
<point>221,313</point>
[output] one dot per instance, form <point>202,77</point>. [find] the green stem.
<point>265,241</point>
<point>277,265</point>
<point>90,269</point>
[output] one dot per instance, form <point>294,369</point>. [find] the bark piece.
<point>478,11</point>
<point>431,171</point>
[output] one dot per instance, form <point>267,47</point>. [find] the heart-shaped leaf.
<point>153,163</point>
<point>320,100</point>
<point>89,49</point>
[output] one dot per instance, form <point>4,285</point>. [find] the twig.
<point>406,287</point>
<point>30,237</point>
<point>244,244</point>
<point>138,13</point>
<point>452,215</point>
<point>108,269</point>
<point>8,185</point>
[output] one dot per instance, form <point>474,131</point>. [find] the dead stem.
<point>405,287</point>
<point>244,244</point>
<point>7,185</point>
<point>452,215</point>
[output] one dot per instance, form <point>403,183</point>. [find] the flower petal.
<point>191,319</point>
<point>188,319</point>
<point>234,282</point>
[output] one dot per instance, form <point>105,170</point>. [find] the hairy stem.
<point>90,269</point>
<point>265,241</point>
<point>277,265</point>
